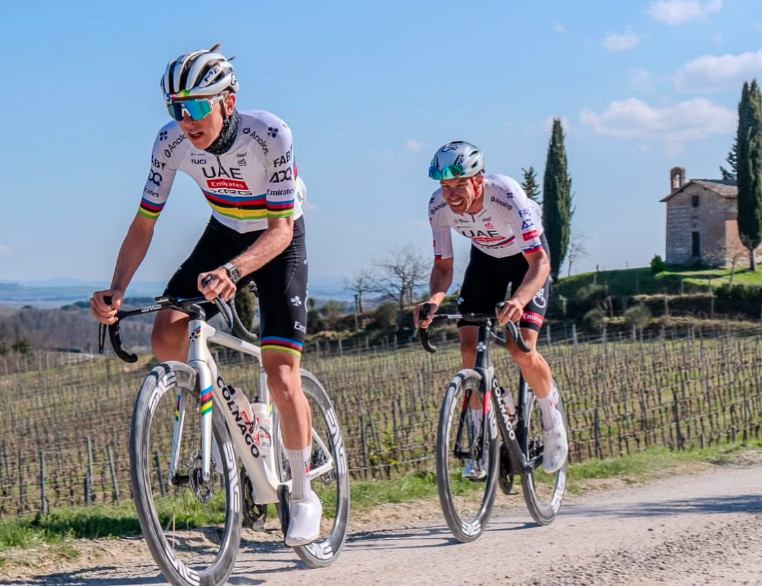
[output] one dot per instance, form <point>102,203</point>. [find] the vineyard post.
<point>678,433</point>
<point>43,502</point>
<point>364,447</point>
<point>90,476</point>
<point>113,473</point>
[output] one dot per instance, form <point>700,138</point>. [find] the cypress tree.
<point>530,185</point>
<point>732,159</point>
<point>749,169</point>
<point>557,199</point>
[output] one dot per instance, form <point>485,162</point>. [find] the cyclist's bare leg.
<point>285,383</point>
<point>533,366</point>
<point>468,338</point>
<point>169,337</point>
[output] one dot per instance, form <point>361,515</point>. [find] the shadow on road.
<point>744,503</point>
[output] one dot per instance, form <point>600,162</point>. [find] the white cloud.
<point>4,248</point>
<point>692,120</point>
<point>674,12</point>
<point>711,72</point>
<point>641,80</point>
<point>624,42</point>
<point>559,28</point>
<point>414,145</point>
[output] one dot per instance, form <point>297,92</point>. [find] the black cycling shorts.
<point>281,283</point>
<point>486,281</point>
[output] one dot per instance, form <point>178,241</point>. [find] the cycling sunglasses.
<point>449,172</point>
<point>197,109</point>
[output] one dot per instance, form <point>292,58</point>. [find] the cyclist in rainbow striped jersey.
<point>244,164</point>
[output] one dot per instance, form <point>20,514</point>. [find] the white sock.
<point>550,415</point>
<point>300,464</point>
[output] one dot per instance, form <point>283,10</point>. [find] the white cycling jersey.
<point>510,223</point>
<point>255,180</point>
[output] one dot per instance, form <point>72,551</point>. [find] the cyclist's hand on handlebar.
<point>105,310</point>
<point>419,323</point>
<point>220,285</point>
<point>511,310</point>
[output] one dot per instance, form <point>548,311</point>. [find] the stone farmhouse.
<point>702,227</point>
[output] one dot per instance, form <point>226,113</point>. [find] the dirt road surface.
<point>697,529</point>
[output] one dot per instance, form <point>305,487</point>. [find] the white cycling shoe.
<point>555,447</point>
<point>304,527</point>
<point>474,471</point>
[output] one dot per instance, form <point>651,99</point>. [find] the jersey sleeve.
<point>162,172</point>
<point>525,217</point>
<point>281,172</point>
<point>440,229</point>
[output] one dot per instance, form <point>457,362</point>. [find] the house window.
<point>695,244</point>
<point>695,201</point>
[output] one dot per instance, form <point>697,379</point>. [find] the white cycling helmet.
<point>456,159</point>
<point>200,74</point>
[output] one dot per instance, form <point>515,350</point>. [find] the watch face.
<point>233,272</point>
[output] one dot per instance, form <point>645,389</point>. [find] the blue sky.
<point>370,90</point>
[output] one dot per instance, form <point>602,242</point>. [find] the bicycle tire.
<point>332,487</point>
<point>466,512</point>
<point>186,553</point>
<point>543,492</point>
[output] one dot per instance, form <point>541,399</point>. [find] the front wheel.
<point>329,475</point>
<point>466,501</point>
<point>543,492</point>
<point>192,526</point>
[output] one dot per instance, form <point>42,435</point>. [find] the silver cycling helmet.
<point>456,159</point>
<point>200,74</point>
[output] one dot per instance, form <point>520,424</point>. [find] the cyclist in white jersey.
<point>244,164</point>
<point>507,247</point>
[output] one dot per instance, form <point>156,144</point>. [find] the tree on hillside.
<point>360,283</point>
<point>749,169</point>
<point>399,275</point>
<point>557,199</point>
<point>530,185</point>
<point>577,249</point>
<point>732,173</point>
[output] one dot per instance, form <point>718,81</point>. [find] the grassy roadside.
<point>58,531</point>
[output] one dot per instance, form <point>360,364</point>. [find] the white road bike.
<point>190,430</point>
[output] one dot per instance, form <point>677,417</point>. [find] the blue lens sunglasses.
<point>197,109</point>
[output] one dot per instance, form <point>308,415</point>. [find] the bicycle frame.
<point>214,392</point>
<point>259,461</point>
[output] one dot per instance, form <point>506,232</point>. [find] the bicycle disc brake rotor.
<point>202,490</point>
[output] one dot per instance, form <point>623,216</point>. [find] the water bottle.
<point>262,437</point>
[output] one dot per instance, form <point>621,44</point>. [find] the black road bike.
<point>515,452</point>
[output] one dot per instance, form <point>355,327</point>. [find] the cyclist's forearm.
<point>273,241</point>
<point>440,280</point>
<point>132,252</point>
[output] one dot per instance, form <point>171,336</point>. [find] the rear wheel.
<point>466,504</point>
<point>192,526</point>
<point>543,492</point>
<point>329,475</point>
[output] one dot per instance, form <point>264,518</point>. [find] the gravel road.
<point>703,528</point>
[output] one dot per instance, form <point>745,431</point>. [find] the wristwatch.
<point>233,271</point>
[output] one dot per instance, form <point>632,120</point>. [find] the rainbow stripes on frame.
<point>278,344</point>
<point>206,401</point>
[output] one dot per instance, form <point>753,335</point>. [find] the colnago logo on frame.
<point>241,419</point>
